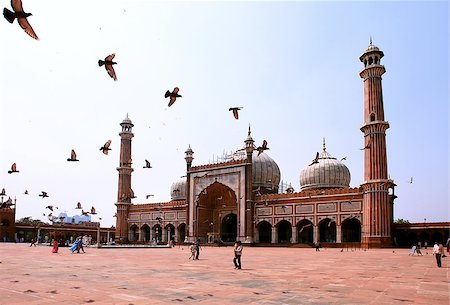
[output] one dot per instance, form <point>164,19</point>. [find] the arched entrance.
<point>351,230</point>
<point>181,232</point>
<point>265,232</point>
<point>327,231</point>
<point>216,214</point>
<point>284,231</point>
<point>170,232</point>
<point>133,233</point>
<point>145,231</point>
<point>157,233</point>
<point>305,232</point>
<point>229,228</point>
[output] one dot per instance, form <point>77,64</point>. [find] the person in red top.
<point>55,246</point>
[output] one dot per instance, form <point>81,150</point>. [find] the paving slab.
<point>34,275</point>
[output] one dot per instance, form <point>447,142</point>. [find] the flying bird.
<point>43,195</point>
<point>50,215</point>
<point>305,226</point>
<point>316,159</point>
<point>262,148</point>
<point>105,147</point>
<point>21,17</point>
<point>147,196</point>
<point>235,111</point>
<point>173,95</point>
<point>345,158</point>
<point>50,207</point>
<point>93,212</point>
<point>147,164</point>
<point>366,147</point>
<point>73,156</point>
<point>108,62</point>
<point>26,192</point>
<point>13,169</point>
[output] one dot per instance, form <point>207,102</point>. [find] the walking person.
<point>73,248</point>
<point>193,251</point>
<point>33,242</point>
<point>197,248</point>
<point>437,253</point>
<point>237,255</point>
<point>55,246</point>
<point>80,245</point>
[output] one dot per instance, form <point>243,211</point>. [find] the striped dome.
<point>327,172</point>
<point>266,173</point>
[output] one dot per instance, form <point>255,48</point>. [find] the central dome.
<point>325,172</point>
<point>266,173</point>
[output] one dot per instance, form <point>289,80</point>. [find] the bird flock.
<point>18,13</point>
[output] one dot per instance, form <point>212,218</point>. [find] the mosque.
<point>241,198</point>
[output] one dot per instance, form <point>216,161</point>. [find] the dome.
<point>127,121</point>
<point>178,190</point>
<point>371,48</point>
<point>327,172</point>
<point>266,173</point>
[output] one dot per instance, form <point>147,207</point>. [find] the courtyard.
<point>34,275</point>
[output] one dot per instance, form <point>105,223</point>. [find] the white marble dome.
<point>266,173</point>
<point>178,190</point>
<point>328,172</point>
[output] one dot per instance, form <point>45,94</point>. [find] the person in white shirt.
<point>437,253</point>
<point>237,255</point>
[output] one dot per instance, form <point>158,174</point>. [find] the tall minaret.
<point>249,206</point>
<point>124,191</point>
<point>377,201</point>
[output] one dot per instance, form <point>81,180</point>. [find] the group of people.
<point>195,252</point>
<point>77,245</point>
<point>438,251</point>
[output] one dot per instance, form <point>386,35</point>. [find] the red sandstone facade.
<point>239,200</point>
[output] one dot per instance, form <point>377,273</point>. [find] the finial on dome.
<point>370,40</point>
<point>324,144</point>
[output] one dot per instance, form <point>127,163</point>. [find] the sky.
<point>293,67</point>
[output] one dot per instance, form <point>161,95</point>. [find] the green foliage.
<point>401,221</point>
<point>30,220</point>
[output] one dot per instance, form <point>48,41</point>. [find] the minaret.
<point>249,207</point>
<point>124,191</point>
<point>190,206</point>
<point>377,203</point>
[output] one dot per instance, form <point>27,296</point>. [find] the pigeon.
<point>43,195</point>
<point>173,95</point>
<point>26,192</point>
<point>84,213</point>
<point>262,148</point>
<point>21,17</point>
<point>316,159</point>
<point>345,158</point>
<point>50,207</point>
<point>235,112</point>
<point>3,193</point>
<point>147,164</point>
<point>50,215</point>
<point>109,65</point>
<point>93,211</point>
<point>105,147</point>
<point>115,215</point>
<point>147,196</point>
<point>366,147</point>
<point>131,193</point>
<point>305,226</point>
<point>13,169</point>
<point>73,156</point>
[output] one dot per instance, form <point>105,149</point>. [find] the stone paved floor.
<point>269,276</point>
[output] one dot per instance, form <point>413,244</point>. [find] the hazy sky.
<point>293,66</point>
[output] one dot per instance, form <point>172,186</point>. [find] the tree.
<point>401,221</point>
